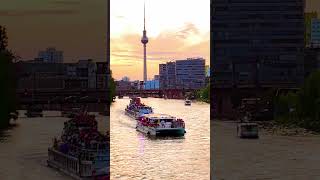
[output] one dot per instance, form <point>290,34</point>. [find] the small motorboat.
<point>187,102</point>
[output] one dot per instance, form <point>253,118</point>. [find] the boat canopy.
<point>159,116</point>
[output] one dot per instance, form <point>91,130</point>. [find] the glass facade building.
<point>257,42</point>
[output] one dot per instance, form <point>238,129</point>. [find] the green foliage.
<point>112,88</point>
<point>204,94</point>
<point>304,105</point>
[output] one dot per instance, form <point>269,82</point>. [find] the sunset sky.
<point>78,27</point>
<point>177,29</point>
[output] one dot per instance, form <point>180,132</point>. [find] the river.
<point>23,149</point>
<point>269,157</point>
<point>134,156</point>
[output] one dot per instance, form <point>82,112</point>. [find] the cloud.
<point>187,30</point>
<point>16,13</point>
<point>169,45</point>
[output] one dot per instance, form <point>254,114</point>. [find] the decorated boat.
<point>161,125</point>
<point>82,151</point>
<point>136,109</point>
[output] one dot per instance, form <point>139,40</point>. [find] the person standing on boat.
<point>162,123</point>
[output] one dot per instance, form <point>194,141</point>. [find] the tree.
<point>7,81</point>
<point>112,88</point>
<point>3,39</point>
<point>302,108</point>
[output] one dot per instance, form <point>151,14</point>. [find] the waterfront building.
<point>255,43</point>
<point>170,75</point>
<point>102,74</point>
<point>85,74</point>
<point>190,73</point>
<point>315,32</point>
<point>51,55</point>
<point>123,85</point>
<point>156,77</point>
<point>152,84</point>
<point>162,75</point>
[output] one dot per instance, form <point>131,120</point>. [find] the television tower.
<point>144,41</point>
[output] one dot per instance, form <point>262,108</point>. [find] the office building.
<point>257,43</point>
<point>190,73</point>
<point>51,55</point>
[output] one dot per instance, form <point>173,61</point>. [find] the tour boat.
<point>247,130</point>
<point>161,125</point>
<point>187,102</point>
<point>136,109</point>
<point>82,152</point>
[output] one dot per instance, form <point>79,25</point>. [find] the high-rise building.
<point>51,55</point>
<point>190,73</point>
<point>162,75</point>
<point>171,75</point>
<point>257,43</point>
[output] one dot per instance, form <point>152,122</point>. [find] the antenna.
<point>144,15</point>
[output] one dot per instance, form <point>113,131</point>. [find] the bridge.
<point>57,99</point>
<point>158,93</point>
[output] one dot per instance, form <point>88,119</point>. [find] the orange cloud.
<point>127,51</point>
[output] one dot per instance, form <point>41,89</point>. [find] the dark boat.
<point>34,111</point>
<point>82,151</point>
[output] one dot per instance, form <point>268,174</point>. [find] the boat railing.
<point>64,161</point>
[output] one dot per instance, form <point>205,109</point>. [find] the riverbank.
<point>274,128</point>
<point>272,156</point>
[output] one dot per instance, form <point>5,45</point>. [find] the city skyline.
<point>171,37</point>
<point>76,27</point>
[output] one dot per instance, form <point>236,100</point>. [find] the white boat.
<point>136,109</point>
<point>187,102</point>
<point>161,125</point>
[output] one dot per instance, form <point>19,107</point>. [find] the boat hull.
<point>131,114</point>
<point>161,131</point>
<point>73,167</point>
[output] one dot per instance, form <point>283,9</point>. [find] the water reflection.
<point>137,156</point>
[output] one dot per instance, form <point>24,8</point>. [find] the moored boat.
<point>82,152</point>
<point>136,109</point>
<point>34,111</point>
<point>247,130</point>
<point>161,125</point>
